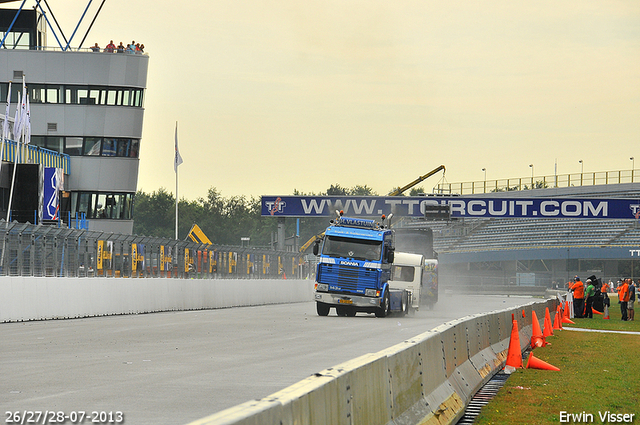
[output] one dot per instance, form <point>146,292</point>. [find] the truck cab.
<point>406,273</point>
<point>354,268</point>
<point>417,276</point>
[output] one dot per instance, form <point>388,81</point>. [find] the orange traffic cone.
<point>606,312</point>
<point>537,340</point>
<point>514,354</point>
<point>535,363</point>
<point>557,323</point>
<point>596,311</point>
<point>548,329</point>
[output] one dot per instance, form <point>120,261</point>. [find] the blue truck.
<point>354,269</point>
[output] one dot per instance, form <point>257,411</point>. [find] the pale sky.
<point>276,96</point>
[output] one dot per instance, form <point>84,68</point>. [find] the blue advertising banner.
<point>51,185</point>
<point>405,206</point>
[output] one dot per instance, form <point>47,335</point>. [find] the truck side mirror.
<point>316,247</point>
<point>390,255</point>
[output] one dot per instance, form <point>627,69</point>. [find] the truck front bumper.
<point>346,300</point>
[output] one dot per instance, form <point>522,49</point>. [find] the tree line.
<point>225,220</point>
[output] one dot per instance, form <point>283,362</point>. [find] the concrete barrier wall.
<point>428,379</point>
<point>40,298</point>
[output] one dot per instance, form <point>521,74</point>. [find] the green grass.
<point>598,373</point>
<point>613,324</point>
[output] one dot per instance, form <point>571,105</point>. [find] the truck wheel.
<point>322,309</point>
<point>341,311</point>
<point>351,312</point>
<point>383,310</point>
<point>405,304</point>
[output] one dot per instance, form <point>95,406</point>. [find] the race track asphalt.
<point>176,367</point>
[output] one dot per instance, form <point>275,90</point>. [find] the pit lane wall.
<point>425,380</point>
<point>41,298</point>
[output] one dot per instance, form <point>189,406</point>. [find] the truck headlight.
<point>322,287</point>
<point>370,292</point>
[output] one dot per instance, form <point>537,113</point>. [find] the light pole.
<point>581,171</point>
<point>633,166</point>
<point>531,166</point>
<point>485,179</point>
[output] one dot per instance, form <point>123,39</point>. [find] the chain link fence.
<point>51,251</point>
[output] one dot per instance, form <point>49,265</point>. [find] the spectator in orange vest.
<point>623,298</point>
<point>605,296</point>
<point>578,297</point>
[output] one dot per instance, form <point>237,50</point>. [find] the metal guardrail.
<point>52,251</point>
<point>539,182</point>
<point>72,49</point>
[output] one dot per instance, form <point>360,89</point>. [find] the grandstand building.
<point>478,253</point>
<point>86,113</point>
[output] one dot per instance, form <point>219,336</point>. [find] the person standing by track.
<point>632,299</point>
<point>606,302</point>
<point>590,294</point>
<point>623,298</point>
<point>578,297</point>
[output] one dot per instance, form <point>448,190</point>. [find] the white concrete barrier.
<point>428,379</point>
<point>41,298</point>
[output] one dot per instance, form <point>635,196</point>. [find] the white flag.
<point>27,139</point>
<point>21,112</point>
<point>178,158</point>
<point>5,127</point>
<point>16,121</point>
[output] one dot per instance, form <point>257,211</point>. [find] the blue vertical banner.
<point>52,183</point>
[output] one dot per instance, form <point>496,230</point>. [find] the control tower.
<point>86,110</point>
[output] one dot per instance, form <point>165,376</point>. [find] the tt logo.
<point>635,209</point>
<point>278,205</point>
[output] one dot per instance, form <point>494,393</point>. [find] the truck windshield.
<point>358,249</point>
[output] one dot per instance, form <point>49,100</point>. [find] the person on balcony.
<point>110,47</point>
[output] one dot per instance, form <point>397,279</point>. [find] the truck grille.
<point>347,278</point>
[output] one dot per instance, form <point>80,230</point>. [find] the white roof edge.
<point>407,258</point>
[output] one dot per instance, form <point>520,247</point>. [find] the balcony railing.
<point>539,182</point>
<point>35,155</point>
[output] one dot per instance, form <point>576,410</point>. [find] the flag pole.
<point>18,135</point>
<point>176,166</point>
<point>176,204</point>
<point>176,161</point>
